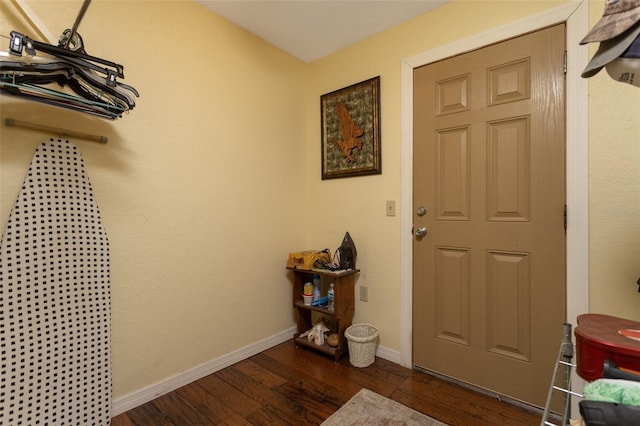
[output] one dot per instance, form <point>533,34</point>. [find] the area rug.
<point>369,408</point>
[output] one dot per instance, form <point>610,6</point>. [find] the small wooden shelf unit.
<point>343,287</point>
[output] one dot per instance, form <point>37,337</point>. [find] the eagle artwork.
<point>350,133</point>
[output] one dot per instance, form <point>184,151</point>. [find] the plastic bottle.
<point>331,298</point>
<point>316,287</point>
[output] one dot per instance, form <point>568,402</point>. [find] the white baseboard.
<point>144,395</point>
<point>388,354</point>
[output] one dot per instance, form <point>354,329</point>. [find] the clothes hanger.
<point>40,73</point>
<point>67,68</point>
<point>20,41</point>
<point>85,103</point>
<point>65,75</point>
<point>38,79</point>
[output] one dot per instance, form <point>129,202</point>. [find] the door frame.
<point>574,15</point>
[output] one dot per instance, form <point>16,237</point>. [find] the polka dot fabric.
<point>55,310</point>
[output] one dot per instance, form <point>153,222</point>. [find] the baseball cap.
<point>619,16</point>
<point>610,50</point>
<point>626,68</point>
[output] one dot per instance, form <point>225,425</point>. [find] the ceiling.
<point>312,29</point>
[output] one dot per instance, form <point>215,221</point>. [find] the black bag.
<point>347,253</point>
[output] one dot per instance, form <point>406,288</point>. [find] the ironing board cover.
<point>55,298</point>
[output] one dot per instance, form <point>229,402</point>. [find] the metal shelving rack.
<point>561,380</point>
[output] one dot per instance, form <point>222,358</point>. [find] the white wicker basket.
<point>362,340</point>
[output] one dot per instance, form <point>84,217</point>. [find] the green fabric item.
<point>631,397</point>
<point>611,390</point>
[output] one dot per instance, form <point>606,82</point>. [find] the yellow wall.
<point>614,192</point>
<point>359,203</point>
<point>199,186</point>
<point>215,176</point>
<point>614,165</point>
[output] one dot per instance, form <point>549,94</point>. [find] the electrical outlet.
<point>364,293</point>
<point>391,208</point>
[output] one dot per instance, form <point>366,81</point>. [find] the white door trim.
<point>575,16</point>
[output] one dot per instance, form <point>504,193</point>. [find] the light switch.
<point>391,208</point>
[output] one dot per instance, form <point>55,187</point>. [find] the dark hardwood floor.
<point>286,385</point>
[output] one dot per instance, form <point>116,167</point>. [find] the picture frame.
<point>350,127</point>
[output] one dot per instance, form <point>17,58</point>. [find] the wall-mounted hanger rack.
<point>63,133</point>
<point>65,75</point>
<point>83,9</point>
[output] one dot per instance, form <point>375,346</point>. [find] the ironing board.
<point>55,298</point>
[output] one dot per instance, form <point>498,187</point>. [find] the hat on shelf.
<point>611,49</point>
<point>619,16</point>
<point>626,67</point>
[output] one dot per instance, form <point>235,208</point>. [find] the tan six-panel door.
<point>489,275</point>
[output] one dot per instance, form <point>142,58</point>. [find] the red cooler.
<point>601,338</point>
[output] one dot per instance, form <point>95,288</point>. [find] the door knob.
<point>421,232</point>
<point>421,211</point>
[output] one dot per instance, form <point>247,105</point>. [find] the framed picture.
<point>350,120</point>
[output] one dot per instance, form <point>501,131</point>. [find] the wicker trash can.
<point>362,340</point>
